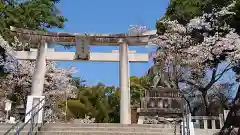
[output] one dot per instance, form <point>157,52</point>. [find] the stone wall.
<point>134,116</point>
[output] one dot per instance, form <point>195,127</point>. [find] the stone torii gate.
<point>82,42</point>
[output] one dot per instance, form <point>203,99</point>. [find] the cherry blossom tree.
<point>200,45</point>
<point>17,82</point>
<point>197,49</point>
<point>136,30</point>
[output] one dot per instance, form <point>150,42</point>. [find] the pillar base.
<point>31,102</point>
<point>141,119</point>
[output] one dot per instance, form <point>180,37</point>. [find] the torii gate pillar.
<point>39,71</point>
<point>37,86</point>
<point>125,110</point>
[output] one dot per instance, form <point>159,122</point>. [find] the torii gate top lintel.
<point>94,39</point>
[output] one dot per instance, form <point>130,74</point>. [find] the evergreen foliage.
<point>185,10</point>
<point>103,102</point>
<point>29,14</point>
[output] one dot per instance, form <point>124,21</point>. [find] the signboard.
<point>169,94</point>
<point>8,105</point>
<point>159,102</point>
<point>82,49</point>
<point>162,101</point>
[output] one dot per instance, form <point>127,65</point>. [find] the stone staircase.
<point>102,129</point>
<point>5,127</point>
<point>109,129</point>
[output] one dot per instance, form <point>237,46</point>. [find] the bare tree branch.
<point>190,83</point>
<point>215,77</point>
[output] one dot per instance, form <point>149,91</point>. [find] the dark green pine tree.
<point>29,14</point>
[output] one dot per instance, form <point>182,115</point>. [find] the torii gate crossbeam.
<point>70,56</point>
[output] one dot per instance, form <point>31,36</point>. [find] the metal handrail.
<point>31,119</point>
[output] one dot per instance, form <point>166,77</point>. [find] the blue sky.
<point>108,16</point>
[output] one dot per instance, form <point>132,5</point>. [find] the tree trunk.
<point>233,117</point>
<point>188,105</point>
<point>204,94</point>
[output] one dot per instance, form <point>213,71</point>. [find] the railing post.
<point>221,119</point>
<point>213,124</point>
<point>183,126</point>
<point>190,125</point>
<point>205,122</point>
<point>31,125</point>
<point>225,113</point>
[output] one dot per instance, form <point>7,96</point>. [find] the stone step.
<point>6,129</point>
<point>9,125</point>
<point>122,129</point>
<point>205,131</point>
<point>93,133</point>
<point>110,125</point>
<point>13,133</point>
<point>104,133</point>
<point>99,129</point>
<point>6,125</point>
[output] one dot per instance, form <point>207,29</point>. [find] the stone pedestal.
<point>161,105</point>
<point>31,102</point>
